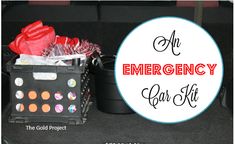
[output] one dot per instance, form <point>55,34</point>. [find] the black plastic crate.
<point>49,93</point>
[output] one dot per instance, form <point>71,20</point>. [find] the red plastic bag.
<point>33,39</point>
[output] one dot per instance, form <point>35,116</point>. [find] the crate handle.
<point>44,76</point>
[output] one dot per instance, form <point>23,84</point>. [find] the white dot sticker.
<point>71,83</point>
<point>72,96</point>
<point>72,108</point>
<point>19,81</point>
<point>58,96</point>
<point>169,70</point>
<point>59,108</point>
<point>20,107</point>
<point>19,94</point>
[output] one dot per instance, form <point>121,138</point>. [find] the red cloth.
<point>33,39</point>
<point>63,40</point>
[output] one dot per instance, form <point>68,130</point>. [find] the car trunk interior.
<point>107,24</point>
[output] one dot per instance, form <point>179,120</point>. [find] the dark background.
<point>107,23</point>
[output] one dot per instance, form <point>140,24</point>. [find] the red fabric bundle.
<point>33,39</point>
<point>63,40</point>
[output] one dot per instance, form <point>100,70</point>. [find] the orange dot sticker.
<point>33,108</point>
<point>46,108</point>
<point>45,95</point>
<point>32,95</point>
<point>20,107</point>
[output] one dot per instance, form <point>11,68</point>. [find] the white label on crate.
<point>169,70</point>
<point>44,76</point>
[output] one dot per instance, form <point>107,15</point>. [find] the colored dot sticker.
<point>19,94</point>
<point>19,81</point>
<point>33,107</point>
<point>59,108</point>
<point>72,83</point>
<point>58,96</point>
<point>32,95</point>
<point>46,108</point>
<point>45,95</point>
<point>20,107</point>
<point>72,96</point>
<point>72,108</point>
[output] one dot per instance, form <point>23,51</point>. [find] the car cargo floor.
<point>215,125</point>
